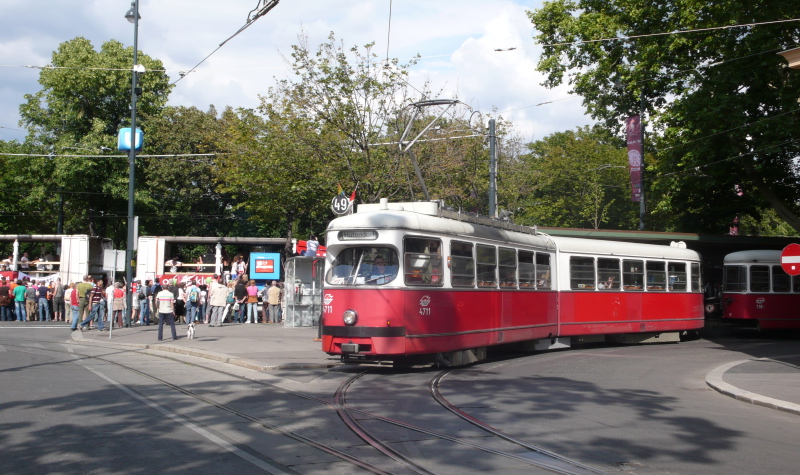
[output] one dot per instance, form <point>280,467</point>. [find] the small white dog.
<point>190,331</point>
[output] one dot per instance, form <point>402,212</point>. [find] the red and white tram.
<point>405,280</point>
<point>756,290</point>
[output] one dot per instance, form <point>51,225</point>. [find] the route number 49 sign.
<point>340,205</point>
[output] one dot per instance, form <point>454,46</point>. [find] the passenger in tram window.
<point>607,284</point>
<point>544,281</point>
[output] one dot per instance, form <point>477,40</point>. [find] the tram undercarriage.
<point>352,353</point>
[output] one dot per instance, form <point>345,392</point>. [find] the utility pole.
<point>492,169</point>
<point>641,177</point>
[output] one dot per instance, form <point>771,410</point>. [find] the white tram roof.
<point>423,217</point>
<point>624,249</point>
<point>426,224</point>
<point>753,256</point>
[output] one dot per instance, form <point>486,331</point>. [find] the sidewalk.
<point>255,346</point>
<point>765,382</point>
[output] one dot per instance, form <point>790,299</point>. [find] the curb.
<point>714,381</point>
<point>209,355</point>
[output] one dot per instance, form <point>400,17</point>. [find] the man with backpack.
<point>192,301</point>
<point>83,303</point>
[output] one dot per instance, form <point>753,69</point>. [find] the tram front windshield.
<point>363,266</point>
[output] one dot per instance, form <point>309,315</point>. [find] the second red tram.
<point>405,280</point>
<point>757,291</point>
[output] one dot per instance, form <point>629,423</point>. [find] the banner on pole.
<point>633,132</point>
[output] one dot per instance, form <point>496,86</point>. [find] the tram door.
<point>507,273</point>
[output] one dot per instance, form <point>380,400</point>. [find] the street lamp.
<point>132,16</point>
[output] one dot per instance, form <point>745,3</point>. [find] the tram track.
<point>537,456</point>
<point>322,446</point>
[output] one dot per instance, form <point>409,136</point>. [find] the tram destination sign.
<point>358,235</point>
<point>790,259</point>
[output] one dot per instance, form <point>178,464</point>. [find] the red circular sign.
<point>790,259</point>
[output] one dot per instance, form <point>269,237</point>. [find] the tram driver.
<point>380,273</point>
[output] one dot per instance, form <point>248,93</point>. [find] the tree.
<point>574,179</point>
<point>274,172</point>
<point>181,194</point>
<point>354,102</point>
<point>720,104</point>
<point>84,100</point>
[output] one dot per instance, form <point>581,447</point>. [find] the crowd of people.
<point>93,302</point>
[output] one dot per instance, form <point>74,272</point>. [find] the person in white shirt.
<point>166,313</point>
<point>174,264</point>
<point>311,246</point>
<point>109,303</point>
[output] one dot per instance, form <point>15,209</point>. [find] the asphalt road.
<point>69,408</point>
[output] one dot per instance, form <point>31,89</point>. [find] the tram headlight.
<point>350,317</point>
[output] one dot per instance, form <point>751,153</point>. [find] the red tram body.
<point>407,280</point>
<point>757,291</point>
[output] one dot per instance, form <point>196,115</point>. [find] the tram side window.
<point>507,258</point>
<point>607,274</point>
<point>527,270</point>
<point>581,273</point>
<point>781,281</point>
<point>759,278</point>
<point>543,270</point>
<point>487,265</point>
<point>656,275</point>
<point>677,276</point>
<point>423,261</point>
<point>462,264</point>
<point>734,279</point>
<point>632,274</point>
<point>695,277</point>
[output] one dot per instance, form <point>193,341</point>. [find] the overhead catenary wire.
<point>254,15</point>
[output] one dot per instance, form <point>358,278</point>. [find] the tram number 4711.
<point>424,311</point>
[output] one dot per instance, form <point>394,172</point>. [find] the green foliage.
<point>574,179</point>
<point>721,107</point>
<point>181,195</point>
<point>84,100</point>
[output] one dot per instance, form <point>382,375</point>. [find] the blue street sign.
<point>124,139</point>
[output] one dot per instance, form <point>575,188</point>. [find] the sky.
<point>456,39</point>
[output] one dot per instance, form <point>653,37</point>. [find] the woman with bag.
<point>252,302</point>
<point>119,305</point>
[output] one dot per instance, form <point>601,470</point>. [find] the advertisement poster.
<point>633,129</point>
<point>265,266</point>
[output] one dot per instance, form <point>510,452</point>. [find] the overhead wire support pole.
<point>132,166</point>
<point>492,169</point>
<point>642,207</point>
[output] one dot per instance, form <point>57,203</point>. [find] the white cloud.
<point>456,39</point>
